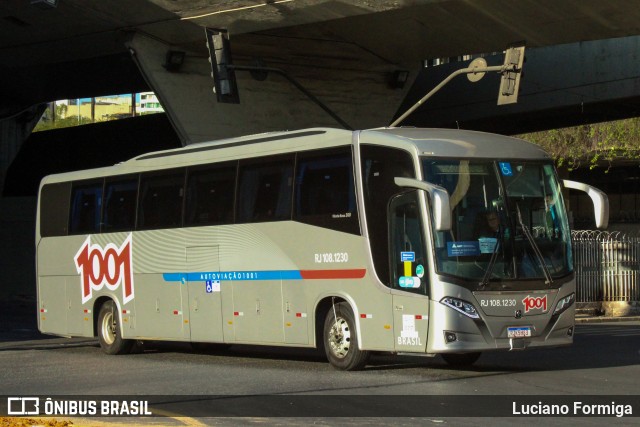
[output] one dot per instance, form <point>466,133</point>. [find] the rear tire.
<point>461,359</point>
<point>109,330</point>
<point>341,339</point>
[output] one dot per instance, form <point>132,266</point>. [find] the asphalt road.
<point>260,381</point>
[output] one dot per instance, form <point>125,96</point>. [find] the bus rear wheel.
<point>461,359</point>
<point>341,339</point>
<point>109,331</point>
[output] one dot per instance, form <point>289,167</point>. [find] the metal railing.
<point>607,266</point>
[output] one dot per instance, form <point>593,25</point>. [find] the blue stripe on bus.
<point>233,275</point>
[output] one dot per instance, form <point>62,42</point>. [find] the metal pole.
<point>456,73</point>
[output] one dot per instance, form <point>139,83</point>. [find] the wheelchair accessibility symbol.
<point>505,168</point>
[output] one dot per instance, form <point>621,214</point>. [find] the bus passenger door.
<point>408,263</point>
<point>205,296</point>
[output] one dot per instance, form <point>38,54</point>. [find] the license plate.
<point>518,332</point>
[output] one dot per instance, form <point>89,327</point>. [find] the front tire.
<point>341,339</point>
<point>109,331</point>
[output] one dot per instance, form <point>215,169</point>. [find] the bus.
<point>398,240</point>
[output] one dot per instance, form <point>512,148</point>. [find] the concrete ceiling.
<point>39,48</point>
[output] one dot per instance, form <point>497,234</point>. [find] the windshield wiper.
<point>535,247</point>
<point>492,261</point>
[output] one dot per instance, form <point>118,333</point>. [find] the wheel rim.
<point>340,338</point>
<point>108,328</point>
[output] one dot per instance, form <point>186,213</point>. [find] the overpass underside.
<point>344,52</point>
<point>563,85</point>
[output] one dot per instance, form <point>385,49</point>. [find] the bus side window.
<point>264,190</point>
<point>210,192</point>
<point>86,205</point>
<point>325,190</point>
<point>54,209</point>
<point>120,204</point>
<point>160,204</point>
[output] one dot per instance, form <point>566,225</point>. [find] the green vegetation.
<point>591,145</point>
<point>47,122</point>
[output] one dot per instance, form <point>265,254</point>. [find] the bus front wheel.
<point>109,331</point>
<point>341,339</point>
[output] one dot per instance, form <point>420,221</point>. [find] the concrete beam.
<point>351,81</point>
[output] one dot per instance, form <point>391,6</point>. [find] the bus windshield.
<point>508,221</point>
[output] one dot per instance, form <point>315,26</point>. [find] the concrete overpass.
<point>563,85</point>
<point>345,52</point>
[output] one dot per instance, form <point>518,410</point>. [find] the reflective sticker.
<point>471,248</point>
<point>419,271</point>
<point>505,168</point>
<point>409,282</point>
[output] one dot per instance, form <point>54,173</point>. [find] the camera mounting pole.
<point>511,72</point>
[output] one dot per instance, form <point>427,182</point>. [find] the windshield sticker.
<point>409,282</point>
<point>505,168</point>
<point>419,271</point>
<point>487,244</point>
<point>407,256</point>
<point>463,248</point>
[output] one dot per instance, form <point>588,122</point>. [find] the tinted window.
<point>265,190</point>
<point>54,209</point>
<point>210,193</point>
<point>161,197</point>
<point>380,165</point>
<point>86,204</point>
<point>408,256</point>
<point>120,195</point>
<point>325,190</point>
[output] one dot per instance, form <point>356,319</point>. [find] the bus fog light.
<point>570,331</point>
<point>462,306</point>
<point>450,337</point>
<point>564,303</point>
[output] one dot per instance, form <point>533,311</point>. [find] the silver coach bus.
<point>397,240</point>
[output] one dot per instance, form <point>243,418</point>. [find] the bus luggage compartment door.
<point>205,296</point>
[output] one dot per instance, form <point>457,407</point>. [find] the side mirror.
<point>439,200</point>
<point>599,199</point>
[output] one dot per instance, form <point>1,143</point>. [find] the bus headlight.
<point>462,306</point>
<point>564,303</point>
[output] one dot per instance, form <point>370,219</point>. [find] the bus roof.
<point>428,142</point>
<point>457,143</point>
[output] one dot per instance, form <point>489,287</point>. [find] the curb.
<point>607,319</point>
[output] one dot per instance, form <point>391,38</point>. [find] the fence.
<point>607,266</point>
